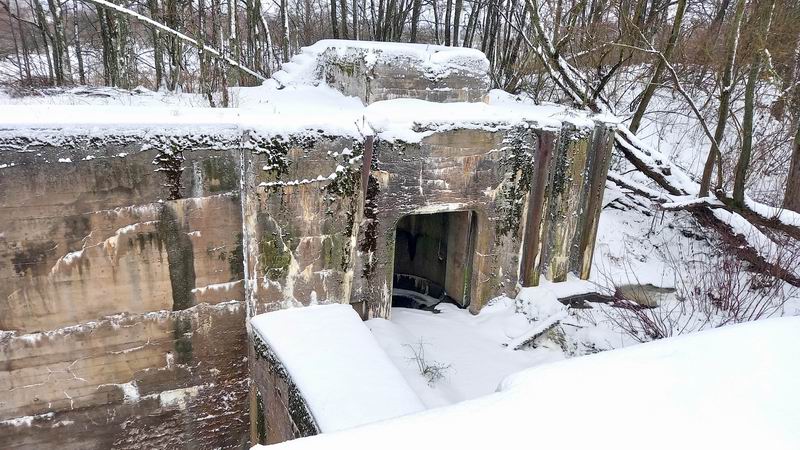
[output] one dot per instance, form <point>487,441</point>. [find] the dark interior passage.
<point>433,259</point>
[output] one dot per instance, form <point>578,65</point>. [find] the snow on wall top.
<point>345,377</point>
<point>74,120</point>
<point>410,120</point>
<point>290,110</point>
<point>305,68</point>
<point>684,392</point>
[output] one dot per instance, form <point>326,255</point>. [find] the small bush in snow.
<point>432,371</point>
<point>723,291</point>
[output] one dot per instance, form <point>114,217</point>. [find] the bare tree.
<point>764,19</point>
<point>724,102</point>
<point>791,199</point>
<point>660,67</point>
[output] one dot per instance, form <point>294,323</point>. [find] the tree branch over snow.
<point>199,45</point>
<point>677,182</point>
<point>677,84</point>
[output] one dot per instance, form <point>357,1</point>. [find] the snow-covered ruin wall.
<point>135,242</point>
<point>384,71</point>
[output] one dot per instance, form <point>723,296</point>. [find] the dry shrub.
<point>721,291</point>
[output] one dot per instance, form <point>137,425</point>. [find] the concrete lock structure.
<point>132,254</point>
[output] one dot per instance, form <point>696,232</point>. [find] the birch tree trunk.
<point>234,49</point>
<point>285,42</point>
<point>155,35</point>
<point>60,52</point>
<point>78,49</point>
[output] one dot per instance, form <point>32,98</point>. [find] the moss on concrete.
<point>273,258</point>
<point>220,175</point>
<point>518,164</point>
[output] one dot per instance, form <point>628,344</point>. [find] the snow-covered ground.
<point>469,349</point>
<point>732,387</point>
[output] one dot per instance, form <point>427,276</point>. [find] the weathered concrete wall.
<point>448,171</point>
<point>122,311</point>
<point>319,238</point>
<point>281,412</point>
<point>368,75</point>
<point>301,229</point>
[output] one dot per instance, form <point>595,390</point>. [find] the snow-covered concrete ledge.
<point>732,387</point>
<point>336,375</point>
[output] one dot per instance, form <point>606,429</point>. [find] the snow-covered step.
<point>329,369</point>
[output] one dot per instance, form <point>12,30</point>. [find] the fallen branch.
<point>541,327</point>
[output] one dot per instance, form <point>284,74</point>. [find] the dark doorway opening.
<point>433,258</point>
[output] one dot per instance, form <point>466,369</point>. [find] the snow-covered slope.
<point>733,387</point>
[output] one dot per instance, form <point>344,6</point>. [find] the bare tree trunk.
<point>24,43</point>
<point>472,21</point>
<point>557,19</point>
<point>14,41</point>
<point>60,53</point>
<point>791,199</point>
<point>448,13</point>
<point>125,69</point>
<point>270,49</point>
<point>765,19</point>
<point>356,33</point>
<point>232,44</point>
<point>174,45</point>
<point>415,11</point>
<point>747,134</point>
<point>660,67</point>
<point>36,6</point>
<point>334,20</point>
<point>724,101</point>
<point>204,81</point>
<point>113,59</point>
<point>104,38</point>
<point>223,42</point>
<point>285,42</point>
<point>436,23</point>
<point>158,55</point>
<point>343,6</point>
<point>78,49</point>
<point>457,23</point>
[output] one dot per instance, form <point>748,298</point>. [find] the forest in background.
<point>731,68</point>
